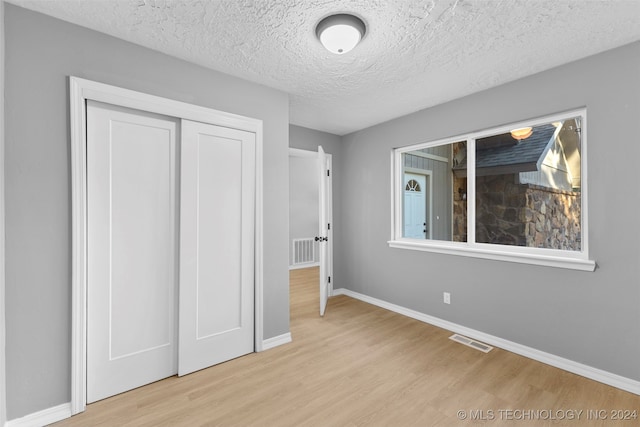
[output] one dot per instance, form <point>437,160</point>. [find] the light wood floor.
<point>361,365</point>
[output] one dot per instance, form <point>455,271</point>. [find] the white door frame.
<point>80,91</point>
<point>297,152</point>
<point>3,400</point>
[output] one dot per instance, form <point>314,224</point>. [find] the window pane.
<point>528,189</point>
<point>432,197</point>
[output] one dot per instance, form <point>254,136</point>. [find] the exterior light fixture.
<point>522,133</point>
<point>340,33</point>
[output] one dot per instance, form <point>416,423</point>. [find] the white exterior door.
<point>216,321</point>
<point>415,206</point>
<point>131,183</point>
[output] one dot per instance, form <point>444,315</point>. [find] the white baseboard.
<point>300,266</point>
<point>586,371</point>
<point>42,418</point>
<point>276,341</point>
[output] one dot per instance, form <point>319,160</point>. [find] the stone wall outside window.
<point>510,213</point>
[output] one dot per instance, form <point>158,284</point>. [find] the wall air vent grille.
<point>304,251</point>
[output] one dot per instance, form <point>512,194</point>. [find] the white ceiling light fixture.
<point>340,33</point>
<point>522,133</point>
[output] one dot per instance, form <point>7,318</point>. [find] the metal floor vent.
<point>471,343</point>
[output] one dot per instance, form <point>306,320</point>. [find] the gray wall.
<point>303,200</point>
<point>592,318</point>
<point>41,52</point>
<point>309,139</point>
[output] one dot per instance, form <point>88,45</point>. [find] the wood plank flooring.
<point>361,365</point>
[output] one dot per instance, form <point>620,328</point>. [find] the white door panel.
<point>323,231</point>
<point>131,257</point>
<point>219,246</point>
<point>216,321</point>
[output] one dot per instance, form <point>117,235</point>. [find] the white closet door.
<point>131,160</point>
<point>216,321</point>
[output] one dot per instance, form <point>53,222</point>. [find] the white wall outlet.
<point>446,297</point>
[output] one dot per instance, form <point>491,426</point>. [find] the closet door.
<point>217,216</point>
<point>131,226</point>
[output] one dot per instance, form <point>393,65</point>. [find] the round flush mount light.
<point>522,133</point>
<point>340,33</point>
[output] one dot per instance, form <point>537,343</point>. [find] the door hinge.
<point>328,172</point>
<point>329,279</point>
<point>329,226</point>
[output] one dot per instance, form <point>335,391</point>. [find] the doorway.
<point>311,215</point>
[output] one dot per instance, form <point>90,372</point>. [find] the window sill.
<point>496,255</point>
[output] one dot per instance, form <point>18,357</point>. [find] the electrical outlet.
<point>447,297</point>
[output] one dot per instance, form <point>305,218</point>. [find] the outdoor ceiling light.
<point>522,133</point>
<point>340,33</point>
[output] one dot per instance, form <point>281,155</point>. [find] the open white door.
<point>217,220</point>
<point>323,230</point>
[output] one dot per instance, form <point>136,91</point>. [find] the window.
<point>413,186</point>
<point>514,193</point>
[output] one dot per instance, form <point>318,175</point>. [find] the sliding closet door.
<point>217,215</point>
<point>131,226</point>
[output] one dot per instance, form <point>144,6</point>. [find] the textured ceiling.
<point>415,54</point>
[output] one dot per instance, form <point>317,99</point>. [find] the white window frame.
<point>576,260</point>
